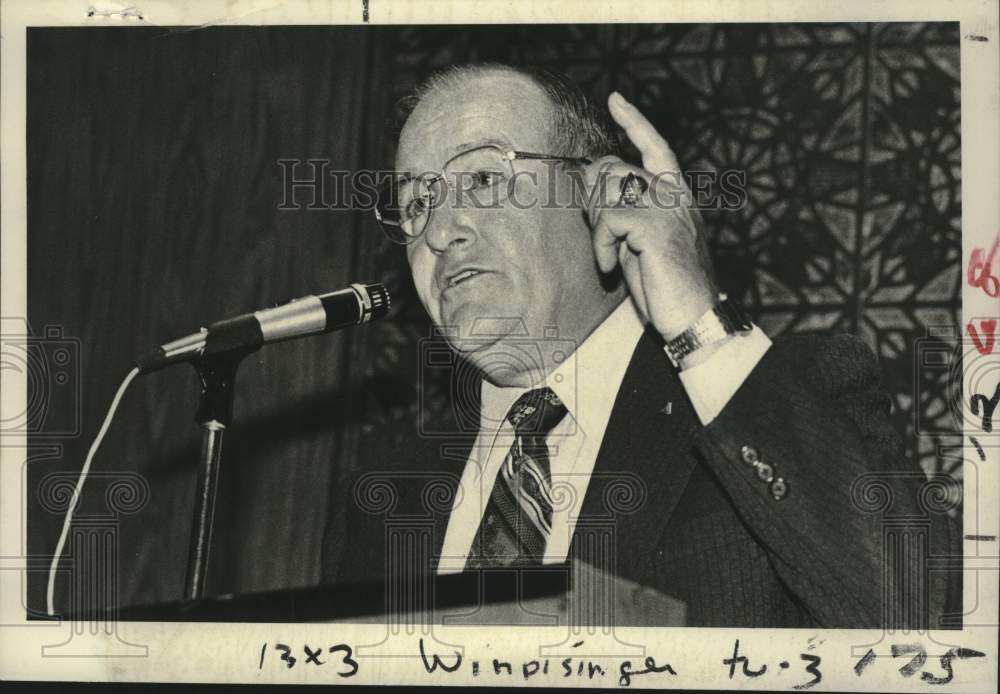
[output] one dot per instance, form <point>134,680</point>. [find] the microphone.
<point>306,315</point>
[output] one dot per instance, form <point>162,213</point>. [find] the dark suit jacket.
<point>850,546</point>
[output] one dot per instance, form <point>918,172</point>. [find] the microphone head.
<point>380,300</point>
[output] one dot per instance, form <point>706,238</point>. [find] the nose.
<point>450,227</point>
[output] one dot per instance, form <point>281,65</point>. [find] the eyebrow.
<point>452,151</point>
<point>482,142</point>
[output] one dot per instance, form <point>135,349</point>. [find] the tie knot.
<point>536,412</point>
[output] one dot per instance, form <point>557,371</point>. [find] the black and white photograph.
<point>647,351</point>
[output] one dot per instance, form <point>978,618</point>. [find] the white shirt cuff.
<point>712,383</point>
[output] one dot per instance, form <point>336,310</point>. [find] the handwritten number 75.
<point>918,660</point>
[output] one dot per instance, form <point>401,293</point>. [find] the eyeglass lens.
<point>479,175</point>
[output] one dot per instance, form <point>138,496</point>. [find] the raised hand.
<point>658,241</point>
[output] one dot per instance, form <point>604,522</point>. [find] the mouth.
<point>462,277</point>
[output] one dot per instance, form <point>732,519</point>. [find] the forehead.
<point>492,107</point>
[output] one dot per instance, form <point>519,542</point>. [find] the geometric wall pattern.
<point>849,135</point>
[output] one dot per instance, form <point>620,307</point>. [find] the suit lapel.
<point>648,447</point>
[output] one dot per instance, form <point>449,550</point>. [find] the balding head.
<point>575,125</point>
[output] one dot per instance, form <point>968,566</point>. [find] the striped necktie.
<point>518,519</point>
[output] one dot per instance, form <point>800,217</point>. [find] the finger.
<point>620,232</point>
<point>661,158</point>
<point>605,248</point>
<point>631,189</point>
<point>656,153</point>
<point>608,231</point>
<point>668,194</point>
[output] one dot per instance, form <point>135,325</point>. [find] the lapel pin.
<point>667,409</point>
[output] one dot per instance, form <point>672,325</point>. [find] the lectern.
<point>573,594</point>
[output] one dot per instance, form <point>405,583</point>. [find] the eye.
<point>417,206</point>
<point>485,178</point>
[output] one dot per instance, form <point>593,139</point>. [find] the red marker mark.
<point>979,275</point>
<point>989,327</point>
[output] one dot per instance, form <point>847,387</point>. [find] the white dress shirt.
<point>587,382</point>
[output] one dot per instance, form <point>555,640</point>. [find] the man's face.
<point>535,266</point>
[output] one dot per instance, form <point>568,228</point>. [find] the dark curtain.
<point>154,192</point>
<point>153,208</point>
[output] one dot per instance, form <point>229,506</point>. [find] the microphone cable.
<point>53,568</point>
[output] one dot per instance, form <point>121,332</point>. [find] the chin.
<point>502,352</point>
<point>474,328</point>
<point>481,321</point>
<point>471,334</point>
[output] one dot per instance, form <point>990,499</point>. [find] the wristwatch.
<point>722,320</point>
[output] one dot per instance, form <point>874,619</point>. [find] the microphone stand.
<point>216,353</point>
<point>217,376</point>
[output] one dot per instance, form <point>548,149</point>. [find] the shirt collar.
<point>587,381</point>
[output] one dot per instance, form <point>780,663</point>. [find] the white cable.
<point>50,592</point>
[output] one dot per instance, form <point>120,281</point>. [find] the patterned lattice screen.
<point>849,136</point>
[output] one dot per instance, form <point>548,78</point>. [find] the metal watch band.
<point>722,320</point>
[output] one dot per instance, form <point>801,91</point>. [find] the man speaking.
<point>743,454</point>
